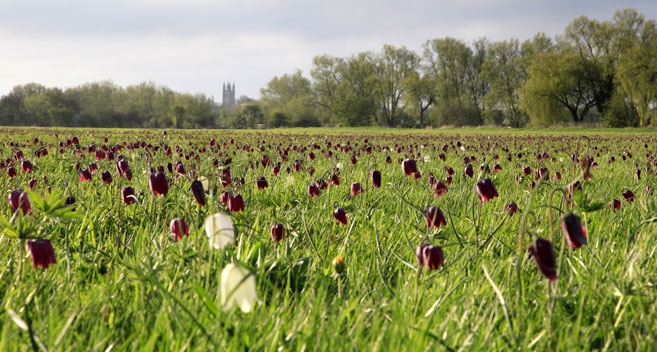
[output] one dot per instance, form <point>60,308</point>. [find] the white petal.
<point>238,286</point>
<point>204,182</point>
<point>220,230</point>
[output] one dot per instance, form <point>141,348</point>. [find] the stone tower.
<point>228,100</point>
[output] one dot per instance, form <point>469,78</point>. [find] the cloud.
<point>195,45</point>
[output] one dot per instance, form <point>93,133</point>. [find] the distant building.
<point>228,99</point>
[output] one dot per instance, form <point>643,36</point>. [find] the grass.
<point>116,287</point>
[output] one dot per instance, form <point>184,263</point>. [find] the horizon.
<point>68,45</point>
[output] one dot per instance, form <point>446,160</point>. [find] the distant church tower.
<point>228,100</point>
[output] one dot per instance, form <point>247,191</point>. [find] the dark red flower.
<point>511,208</point>
<point>128,195</point>
<point>11,172</point>
<point>543,253</point>
<point>574,230</point>
<point>225,197</point>
<point>236,203</point>
<point>433,216</point>
<point>486,190</point>
<point>32,183</point>
<point>225,177</point>
<point>429,256</point>
<point>469,171</point>
<point>276,170</point>
<point>615,205</point>
<point>198,192</point>
<point>439,188</point>
<point>629,196</point>
<point>355,189</point>
<point>70,200</point>
<point>340,215</point>
<point>557,175</point>
<point>27,166</point>
<point>527,170</point>
<point>277,232</point>
<point>497,167</point>
<point>431,179</point>
<point>262,183</point>
<point>313,190</point>
<point>18,199</point>
<point>180,168</point>
<point>409,167</point>
<point>450,171</point>
<point>179,228</point>
<point>335,180</point>
<point>123,168</point>
<point>375,177</point>
<point>42,253</point>
<point>158,184</point>
<point>85,175</point>
<point>106,177</point>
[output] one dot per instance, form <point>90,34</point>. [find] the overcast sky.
<point>195,45</point>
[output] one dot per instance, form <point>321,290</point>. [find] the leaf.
<point>20,322</point>
<point>212,307</point>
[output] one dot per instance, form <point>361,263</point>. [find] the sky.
<point>194,46</point>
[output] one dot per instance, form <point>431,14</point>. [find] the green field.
<point>121,281</point>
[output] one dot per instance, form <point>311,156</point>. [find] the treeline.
<point>105,104</point>
<point>595,72</point>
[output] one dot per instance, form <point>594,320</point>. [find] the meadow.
<point>328,239</point>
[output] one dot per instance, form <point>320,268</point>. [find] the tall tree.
<point>394,67</point>
<point>505,71</point>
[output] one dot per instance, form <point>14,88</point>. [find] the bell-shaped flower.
<point>179,228</point>
<point>574,230</point>
<point>220,230</point>
<point>42,253</point>
<point>198,192</point>
<point>375,177</point>
<point>238,287</point>
<point>486,190</point>
<point>543,253</point>
<point>18,200</point>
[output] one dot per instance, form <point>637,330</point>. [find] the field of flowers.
<point>327,240</point>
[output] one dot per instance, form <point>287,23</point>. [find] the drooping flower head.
<point>574,230</point>
<point>486,190</point>
<point>179,228</point>
<point>220,230</point>
<point>42,253</point>
<point>543,253</point>
<point>238,287</point>
<point>433,216</point>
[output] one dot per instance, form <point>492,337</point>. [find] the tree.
<point>420,96</point>
<point>291,94</point>
<point>345,88</point>
<point>505,71</point>
<point>178,116</point>
<point>562,79</point>
<point>394,67</point>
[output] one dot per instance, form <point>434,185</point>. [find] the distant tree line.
<point>595,72</point>
<point>600,72</point>
<point>104,104</point>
